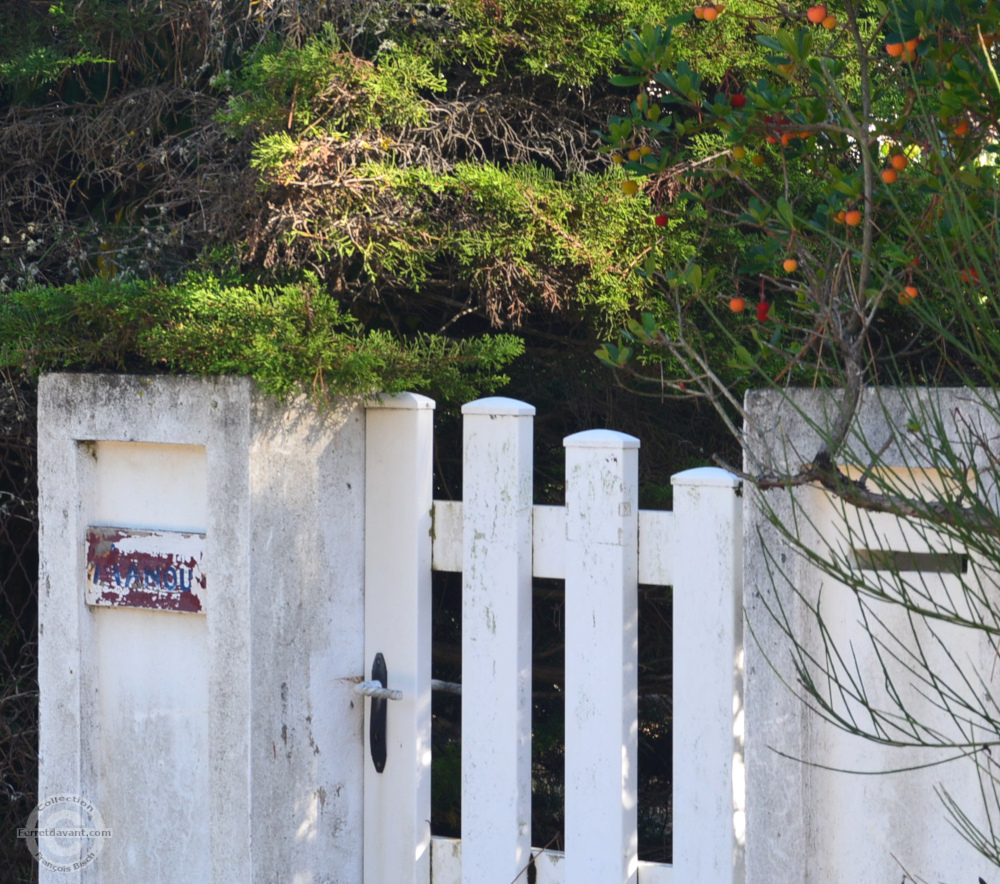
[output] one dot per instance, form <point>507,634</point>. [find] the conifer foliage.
<point>433,166</point>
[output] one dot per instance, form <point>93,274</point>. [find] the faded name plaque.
<point>161,570</point>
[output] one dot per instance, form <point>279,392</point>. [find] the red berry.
<point>763,308</point>
<point>816,14</point>
<point>661,220</point>
<point>738,100</point>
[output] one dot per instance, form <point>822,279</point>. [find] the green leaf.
<point>804,41</point>
<point>743,357</point>
<point>627,80</point>
<point>785,211</point>
<point>969,179</point>
<point>770,43</point>
<point>694,276</point>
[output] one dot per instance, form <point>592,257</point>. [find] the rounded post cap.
<point>713,477</point>
<point>499,406</point>
<point>405,401</point>
<point>601,439</point>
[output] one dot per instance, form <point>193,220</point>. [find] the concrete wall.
<point>227,740</point>
<point>810,825</point>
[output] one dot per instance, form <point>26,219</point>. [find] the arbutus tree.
<point>863,169</point>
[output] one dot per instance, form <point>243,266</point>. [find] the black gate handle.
<point>379,693</point>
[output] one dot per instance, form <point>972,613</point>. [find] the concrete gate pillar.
<point>201,626</point>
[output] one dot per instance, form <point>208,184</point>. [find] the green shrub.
<point>290,338</point>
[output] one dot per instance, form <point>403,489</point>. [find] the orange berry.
<point>816,14</point>
<point>894,49</point>
<point>771,139</point>
<point>962,128</point>
<point>909,55</point>
<point>911,45</point>
<point>786,139</point>
<point>907,295</point>
<point>711,13</point>
<point>898,162</point>
<point>790,265</point>
<point>699,12</point>
<point>840,216</point>
<point>889,176</point>
<point>757,159</point>
<point>737,305</point>
<point>830,22</point>
<point>852,218</point>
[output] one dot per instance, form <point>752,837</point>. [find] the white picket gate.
<point>603,547</point>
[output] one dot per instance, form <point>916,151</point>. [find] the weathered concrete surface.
<point>222,746</point>
<point>805,824</point>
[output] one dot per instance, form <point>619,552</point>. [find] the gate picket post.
<point>399,496</point>
<point>709,801</point>
<point>496,640</point>
<point>601,656</point>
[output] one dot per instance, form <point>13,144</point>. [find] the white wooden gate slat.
<point>497,473</point>
<point>602,726</point>
<point>709,817</point>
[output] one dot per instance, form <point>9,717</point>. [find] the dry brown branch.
<point>123,175</point>
<point>823,473</point>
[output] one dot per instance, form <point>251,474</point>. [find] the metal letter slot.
<point>379,693</point>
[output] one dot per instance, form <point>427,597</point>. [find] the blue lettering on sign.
<point>168,579</point>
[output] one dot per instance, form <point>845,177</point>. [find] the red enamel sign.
<point>161,570</point>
